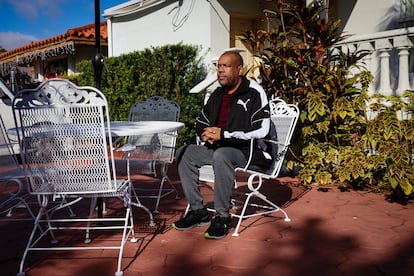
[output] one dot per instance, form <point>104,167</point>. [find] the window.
<point>55,68</point>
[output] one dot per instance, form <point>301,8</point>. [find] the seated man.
<point>236,112</point>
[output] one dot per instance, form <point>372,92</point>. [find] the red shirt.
<point>224,110</point>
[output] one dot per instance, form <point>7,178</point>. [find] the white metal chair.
<point>11,176</point>
<point>284,118</point>
<point>62,130</point>
<point>148,151</point>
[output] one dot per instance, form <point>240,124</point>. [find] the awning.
<point>204,84</point>
<point>130,7</point>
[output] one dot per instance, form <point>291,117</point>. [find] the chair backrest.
<point>9,165</point>
<point>284,118</point>
<point>63,140</point>
<point>156,108</point>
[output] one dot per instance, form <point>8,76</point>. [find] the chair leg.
<point>127,204</point>
<point>274,206</point>
<point>167,179</point>
<point>164,179</point>
<point>140,205</point>
<point>63,203</point>
<point>267,209</point>
<point>134,193</point>
<point>131,219</point>
<point>21,203</point>
<point>15,199</point>
<point>157,203</point>
<point>125,234</point>
<point>187,209</point>
<point>71,213</point>
<point>36,226</point>
<point>241,216</point>
<point>271,209</point>
<point>88,224</point>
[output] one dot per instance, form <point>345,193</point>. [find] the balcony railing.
<point>390,60</point>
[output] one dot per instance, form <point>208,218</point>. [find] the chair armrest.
<point>249,160</point>
<point>276,142</point>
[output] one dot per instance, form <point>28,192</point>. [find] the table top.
<point>127,128</point>
<point>120,128</point>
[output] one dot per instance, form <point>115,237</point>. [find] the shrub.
<point>169,71</point>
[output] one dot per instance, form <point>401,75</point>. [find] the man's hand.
<point>211,134</point>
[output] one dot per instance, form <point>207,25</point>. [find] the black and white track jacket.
<point>249,116</point>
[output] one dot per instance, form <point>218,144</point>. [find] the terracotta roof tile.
<point>79,33</point>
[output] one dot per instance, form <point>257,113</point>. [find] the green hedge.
<point>169,71</point>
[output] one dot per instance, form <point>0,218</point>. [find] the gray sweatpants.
<point>224,160</point>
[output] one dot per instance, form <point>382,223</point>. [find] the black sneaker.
<point>219,228</point>
<point>192,219</point>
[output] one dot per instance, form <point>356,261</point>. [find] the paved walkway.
<point>332,232</point>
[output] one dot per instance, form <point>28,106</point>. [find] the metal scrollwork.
<point>59,92</point>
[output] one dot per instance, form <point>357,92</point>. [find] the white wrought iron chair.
<point>284,118</point>
<point>62,130</point>
<point>148,151</point>
<point>11,177</point>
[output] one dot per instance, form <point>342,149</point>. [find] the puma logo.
<point>244,104</point>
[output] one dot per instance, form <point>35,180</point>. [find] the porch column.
<point>403,71</point>
<point>110,40</point>
<point>385,87</point>
<point>384,47</point>
<point>403,44</point>
<point>41,75</point>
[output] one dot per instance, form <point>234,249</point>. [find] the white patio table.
<point>128,128</point>
<point>119,129</point>
<point>125,128</point>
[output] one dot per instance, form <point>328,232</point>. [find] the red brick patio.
<point>331,233</point>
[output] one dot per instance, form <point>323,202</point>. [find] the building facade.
<point>52,57</point>
<point>381,26</point>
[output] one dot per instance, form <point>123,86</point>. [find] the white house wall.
<point>368,16</point>
<point>194,23</point>
<point>219,29</point>
<point>208,24</point>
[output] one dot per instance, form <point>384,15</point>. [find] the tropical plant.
<point>335,142</point>
<point>389,139</point>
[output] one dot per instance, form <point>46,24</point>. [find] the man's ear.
<point>240,70</point>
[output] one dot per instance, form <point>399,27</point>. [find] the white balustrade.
<point>388,59</point>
